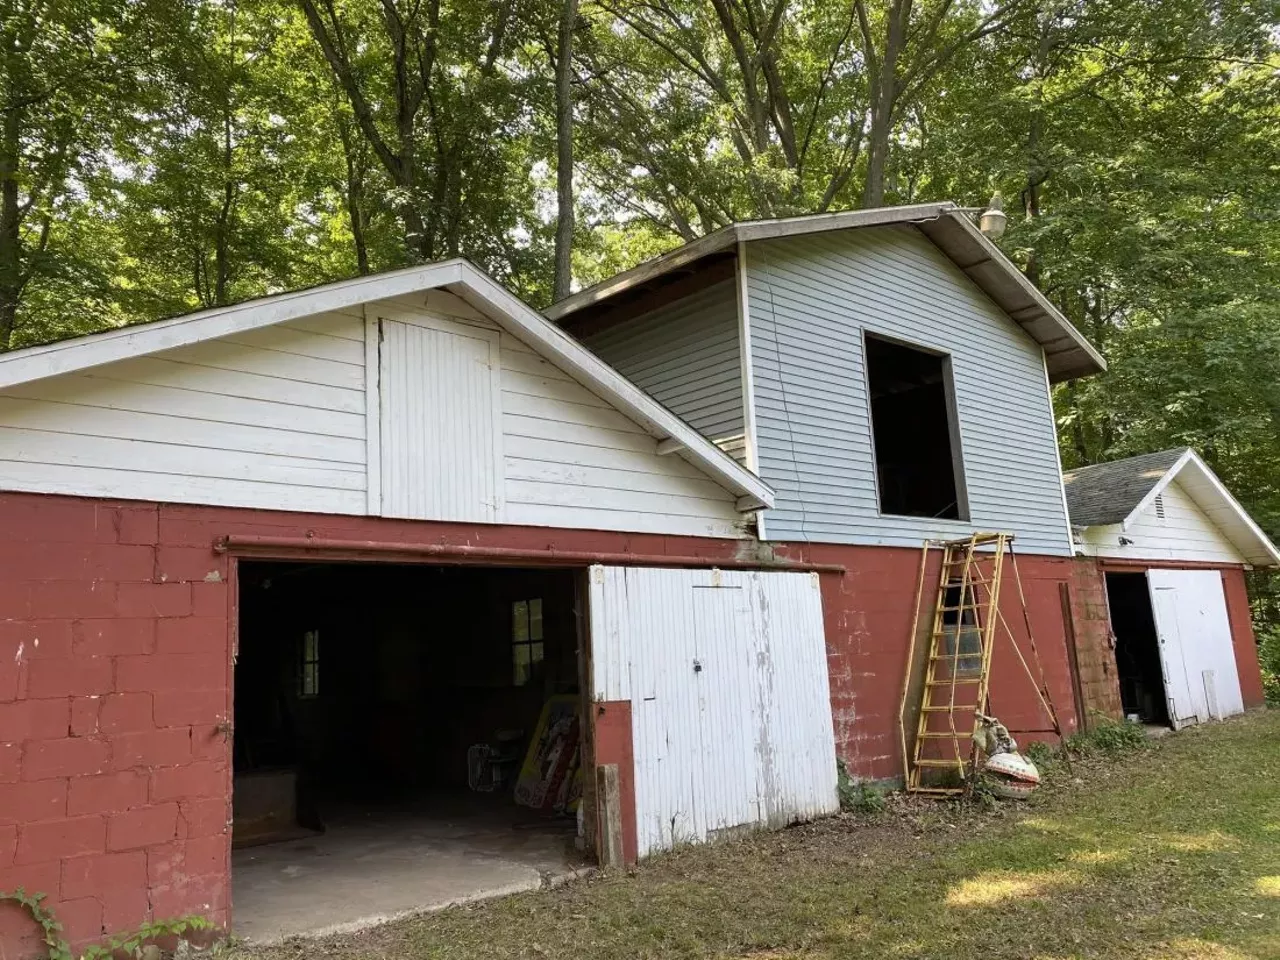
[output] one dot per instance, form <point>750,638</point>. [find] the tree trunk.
<point>884,97</point>
<point>564,152</point>
<point>10,225</point>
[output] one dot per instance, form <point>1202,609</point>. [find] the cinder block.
<point>184,708</point>
<point>67,757</point>
<point>8,844</point>
<point>192,635</point>
<point>43,877</point>
<point>151,748</point>
<point>198,857</point>
<point>142,827</point>
<point>126,713</point>
<point>138,525</point>
<point>84,716</point>
<point>81,921</point>
<point>171,671</point>
<point>29,801</point>
<point>15,600</point>
<point>57,839</point>
<point>78,677</point>
<point>195,564</point>
<point>120,562</point>
<point>118,636</point>
<point>205,896</point>
<point>210,599</point>
<point>154,599</point>
<point>35,639</point>
<point>70,599</point>
<point>205,818</point>
<point>35,719</point>
<point>10,762</point>
<point>107,793</point>
<point>191,781</point>
<point>95,875</point>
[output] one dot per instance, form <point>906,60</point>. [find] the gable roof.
<point>1067,353</point>
<point>1108,492</point>
<point>1118,492</point>
<point>459,277</point>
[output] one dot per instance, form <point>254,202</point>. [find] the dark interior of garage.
<point>1137,647</point>
<point>385,708</point>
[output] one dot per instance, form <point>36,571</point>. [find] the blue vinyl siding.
<point>686,355</point>
<point>810,299</point>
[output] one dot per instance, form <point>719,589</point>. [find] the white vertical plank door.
<point>726,673</point>
<point>1196,654</point>
<point>441,421</point>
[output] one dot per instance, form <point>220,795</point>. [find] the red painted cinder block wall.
<point>868,613</point>
<point>115,684</point>
<point>1242,637</point>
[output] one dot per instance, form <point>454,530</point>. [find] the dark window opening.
<point>961,633</point>
<point>917,446</point>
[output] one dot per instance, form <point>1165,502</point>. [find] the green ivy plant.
<point>57,947</point>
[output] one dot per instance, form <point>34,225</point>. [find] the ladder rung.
<point>940,763</point>
<point>949,681</point>
<point>929,735</point>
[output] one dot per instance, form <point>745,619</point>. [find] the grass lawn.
<point>1170,853</point>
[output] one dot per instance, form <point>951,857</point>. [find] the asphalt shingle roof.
<point>1108,492</point>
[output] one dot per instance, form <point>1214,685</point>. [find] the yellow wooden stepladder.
<point>957,673</point>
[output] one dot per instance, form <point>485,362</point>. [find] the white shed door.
<point>726,672</point>
<point>1196,656</point>
<point>441,421</point>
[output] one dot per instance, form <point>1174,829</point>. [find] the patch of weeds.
<point>1043,755</point>
<point>1110,738</point>
<point>857,797</point>
<point>1269,658</point>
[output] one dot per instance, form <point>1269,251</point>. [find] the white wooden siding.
<point>441,420</point>
<point>270,418</point>
<point>726,673</point>
<point>687,356</point>
<point>280,418</point>
<point>1185,533</point>
<point>810,299</point>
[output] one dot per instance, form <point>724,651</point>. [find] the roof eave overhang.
<point>1255,546</point>
<point>1068,355</point>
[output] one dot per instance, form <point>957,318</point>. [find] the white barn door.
<point>440,387</point>
<point>726,672</point>
<point>1197,659</point>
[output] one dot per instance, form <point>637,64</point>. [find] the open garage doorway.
<point>1137,648</point>
<point>384,717</point>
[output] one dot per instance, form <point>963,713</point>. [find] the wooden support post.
<point>609,799</point>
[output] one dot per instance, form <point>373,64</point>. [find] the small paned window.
<point>960,626</point>
<point>309,665</point>
<point>526,640</point>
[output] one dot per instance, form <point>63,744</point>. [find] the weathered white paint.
<point>1196,654</point>
<point>1202,521</point>
<point>270,418</point>
<point>1185,532</point>
<point>452,285</point>
<point>441,418</point>
<point>282,418</point>
<point>726,673</point>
